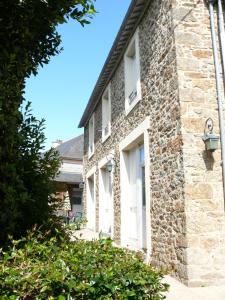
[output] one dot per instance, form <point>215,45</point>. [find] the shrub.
<point>32,201</point>
<point>78,223</point>
<point>24,175</point>
<point>39,267</point>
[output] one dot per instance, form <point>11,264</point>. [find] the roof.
<point>67,177</point>
<point>72,149</point>
<point>127,29</point>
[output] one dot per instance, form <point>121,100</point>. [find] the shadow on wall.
<point>208,160</point>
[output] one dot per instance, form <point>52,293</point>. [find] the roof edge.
<point>71,158</point>
<point>131,20</point>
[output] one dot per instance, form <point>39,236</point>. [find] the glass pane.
<point>143,186</point>
<point>76,200</point>
<point>76,197</point>
<point>142,156</point>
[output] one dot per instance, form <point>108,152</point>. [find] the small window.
<point>106,114</point>
<point>91,137</point>
<point>132,74</point>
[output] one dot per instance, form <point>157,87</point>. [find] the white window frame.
<point>139,134</point>
<point>132,94</point>
<point>106,95</point>
<point>102,164</point>
<point>88,211</point>
<point>91,133</point>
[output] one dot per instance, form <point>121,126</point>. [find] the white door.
<point>90,203</point>
<point>132,201</point>
<point>136,208</point>
<point>143,197</point>
<point>106,204</point>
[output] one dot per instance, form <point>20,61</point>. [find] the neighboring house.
<point>70,178</point>
<point>149,182</point>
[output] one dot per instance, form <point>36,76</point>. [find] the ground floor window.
<point>105,201</point>
<point>133,197</point>
<point>91,202</point>
<point>76,195</point>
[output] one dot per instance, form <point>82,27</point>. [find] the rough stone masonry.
<point>179,94</point>
<point>203,190</point>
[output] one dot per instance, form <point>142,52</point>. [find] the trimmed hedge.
<point>39,267</point>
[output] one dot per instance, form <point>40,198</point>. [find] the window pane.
<point>143,186</point>
<point>76,197</point>
<point>76,201</point>
<point>142,156</point>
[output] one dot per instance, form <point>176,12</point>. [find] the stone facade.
<point>178,95</point>
<point>205,227</point>
<point>70,174</point>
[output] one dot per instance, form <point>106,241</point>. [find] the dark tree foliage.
<point>36,169</point>
<point>28,39</point>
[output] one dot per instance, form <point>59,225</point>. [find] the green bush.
<point>42,267</point>
<point>29,38</point>
<point>33,200</point>
<point>78,223</point>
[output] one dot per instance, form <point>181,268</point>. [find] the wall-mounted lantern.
<point>210,139</point>
<point>109,166</point>
<point>81,185</point>
<point>111,163</point>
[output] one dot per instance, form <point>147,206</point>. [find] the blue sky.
<point>61,90</point>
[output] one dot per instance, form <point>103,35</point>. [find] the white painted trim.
<point>107,90</point>
<point>102,163</point>
<point>104,138</point>
<point>91,172</point>
<point>132,138</point>
<point>91,153</point>
<point>106,159</point>
<point>94,200</point>
<point>148,194</point>
<point>129,107</point>
<point>139,134</point>
<point>124,182</point>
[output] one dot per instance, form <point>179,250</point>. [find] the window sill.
<point>105,138</point>
<point>90,155</point>
<point>129,108</point>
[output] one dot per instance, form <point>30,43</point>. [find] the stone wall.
<point>205,252</point>
<point>160,101</point>
<point>166,158</point>
<point>179,94</point>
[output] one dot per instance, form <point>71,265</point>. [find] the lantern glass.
<point>109,167</point>
<point>212,144</point>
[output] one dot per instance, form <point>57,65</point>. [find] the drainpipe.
<point>219,95</point>
<point>222,35</point>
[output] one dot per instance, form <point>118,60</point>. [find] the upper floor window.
<point>106,114</point>
<point>91,143</point>
<point>132,74</point>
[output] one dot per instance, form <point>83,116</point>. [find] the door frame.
<point>138,135</point>
<point>101,165</point>
<point>91,173</point>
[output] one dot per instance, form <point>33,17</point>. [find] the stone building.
<point>70,177</point>
<point>149,182</point>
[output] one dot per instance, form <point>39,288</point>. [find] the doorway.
<point>105,202</point>
<point>91,202</point>
<point>134,199</point>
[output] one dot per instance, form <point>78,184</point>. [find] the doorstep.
<point>179,291</point>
